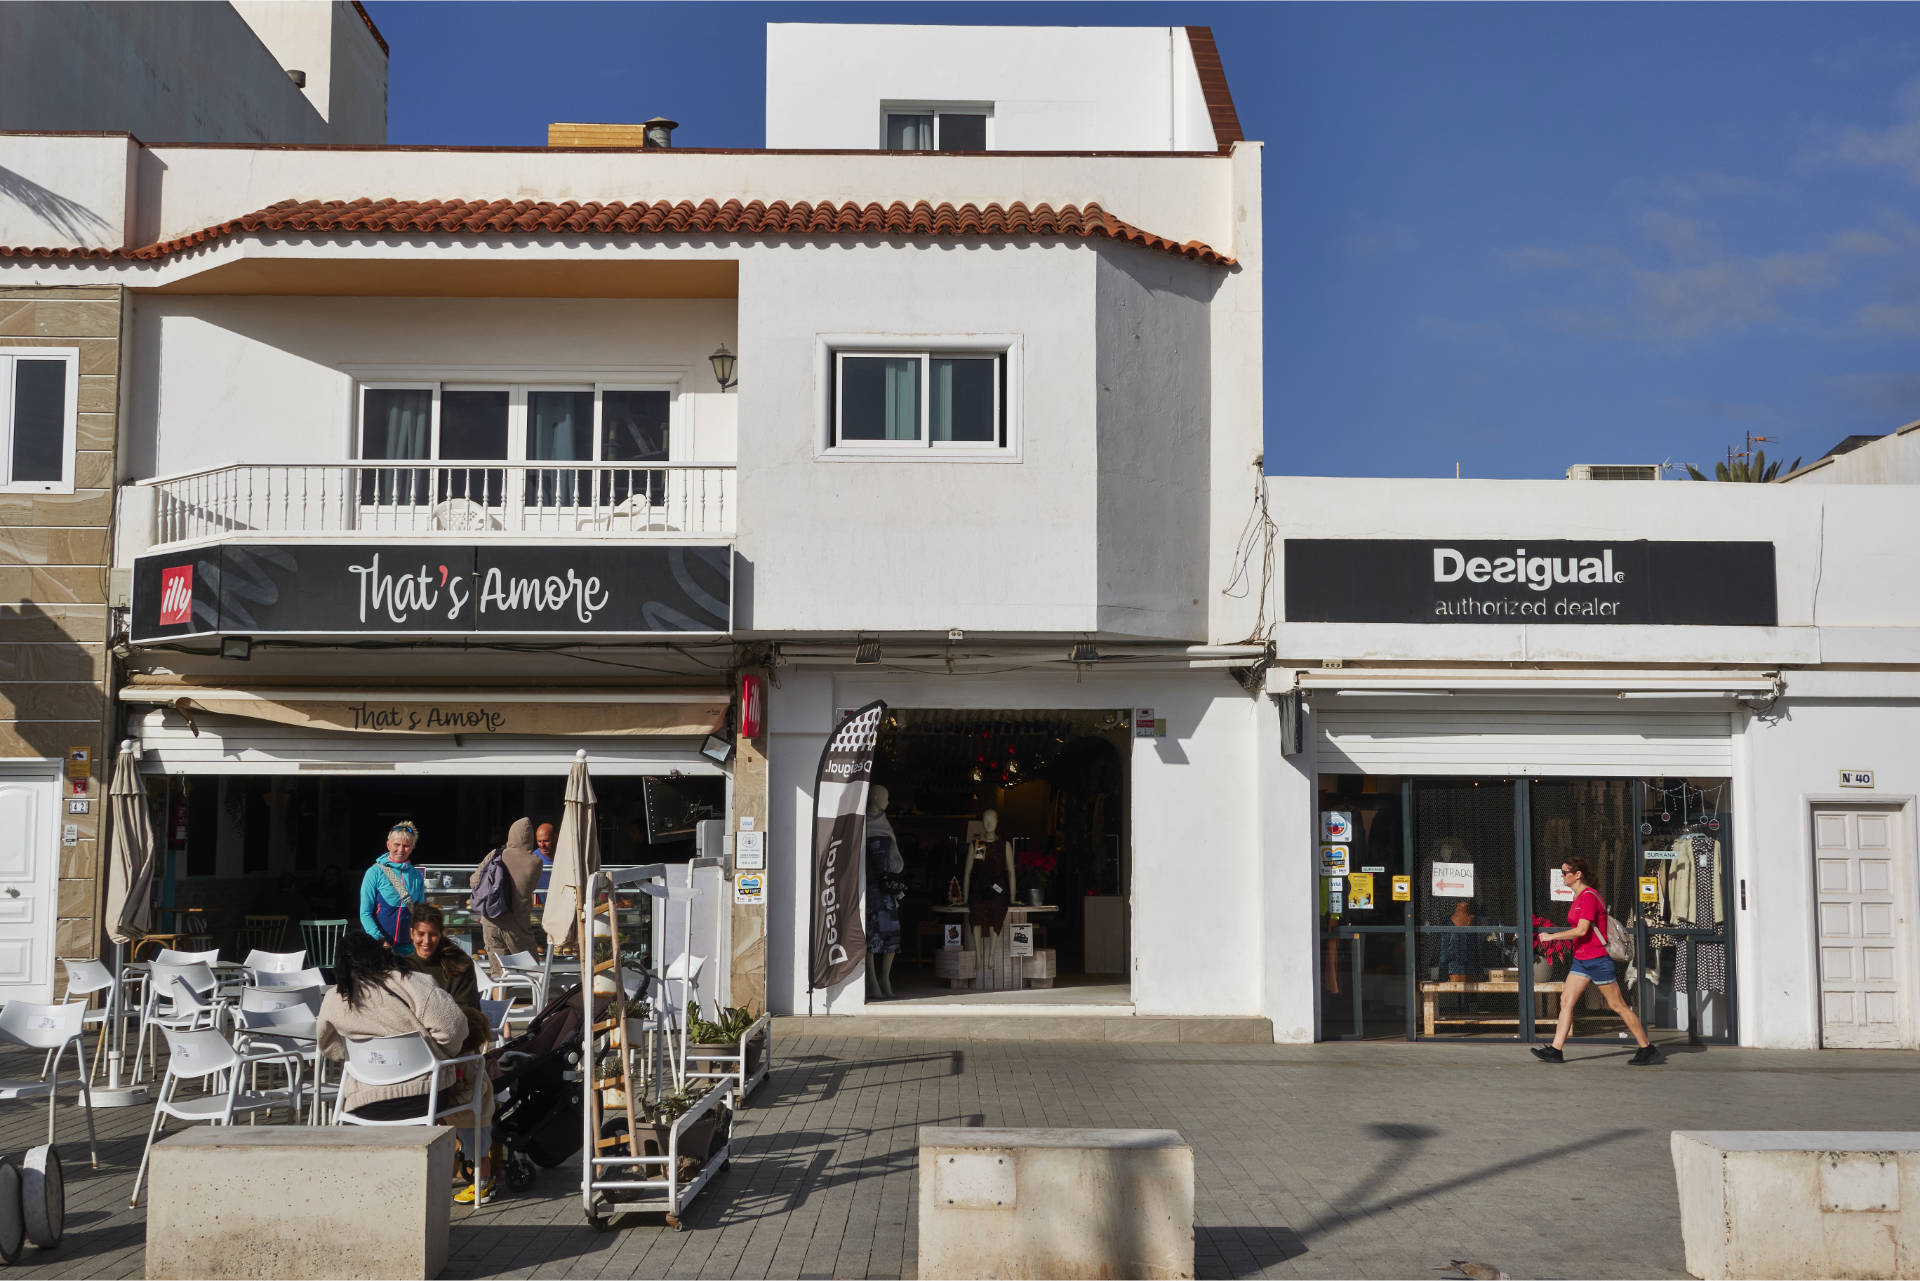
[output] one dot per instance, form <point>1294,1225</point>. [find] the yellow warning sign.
<point>1649,889</point>
<point>79,762</point>
<point>1402,888</point>
<point>1360,890</point>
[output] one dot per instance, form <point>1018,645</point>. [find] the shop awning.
<point>483,713</point>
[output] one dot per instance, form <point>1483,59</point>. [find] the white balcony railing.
<point>445,500</point>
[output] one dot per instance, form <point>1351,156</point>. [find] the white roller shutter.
<point>1582,738</point>
<point>237,745</point>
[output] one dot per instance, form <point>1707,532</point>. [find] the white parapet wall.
<point>1055,1203</point>
<point>1799,1203</point>
<point>300,1201</point>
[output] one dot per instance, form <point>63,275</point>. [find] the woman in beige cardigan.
<point>376,994</point>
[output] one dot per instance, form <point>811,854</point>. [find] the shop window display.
<point>1481,859</point>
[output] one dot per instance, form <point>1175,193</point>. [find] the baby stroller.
<point>537,1089</point>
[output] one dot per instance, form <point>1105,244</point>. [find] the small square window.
<point>935,128</point>
<point>919,400</point>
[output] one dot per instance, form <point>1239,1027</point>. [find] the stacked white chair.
<point>180,998</point>
<point>202,1054</point>
<point>85,980</point>
<point>276,962</point>
<point>53,1028</point>
<point>288,978</point>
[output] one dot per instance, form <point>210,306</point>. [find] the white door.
<point>1863,926</point>
<point>28,856</point>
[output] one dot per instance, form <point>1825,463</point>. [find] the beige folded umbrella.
<point>131,856</point>
<point>576,855</point>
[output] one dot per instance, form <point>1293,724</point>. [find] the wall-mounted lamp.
<point>716,749</point>
<point>236,647</point>
<point>867,651</point>
<point>1084,652</point>
<point>724,362</point>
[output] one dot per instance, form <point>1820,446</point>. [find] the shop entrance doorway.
<point>1057,785</point>
<point>1432,890</point>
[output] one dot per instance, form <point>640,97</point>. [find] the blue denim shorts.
<point>1597,970</point>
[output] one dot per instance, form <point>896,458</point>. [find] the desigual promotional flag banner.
<point>839,845</point>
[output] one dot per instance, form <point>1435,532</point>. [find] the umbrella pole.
<point>114,1094</point>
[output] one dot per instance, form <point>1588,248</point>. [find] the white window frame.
<point>70,426</point>
<point>936,110</point>
<point>1008,348</point>
<point>518,422</point>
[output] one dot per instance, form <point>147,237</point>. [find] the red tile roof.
<point>618,218</point>
<point>1213,87</point>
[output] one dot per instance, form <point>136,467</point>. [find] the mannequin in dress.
<point>884,865</point>
<point>986,895</point>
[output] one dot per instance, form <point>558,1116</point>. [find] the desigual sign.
<point>1378,580</point>
<point>265,589</point>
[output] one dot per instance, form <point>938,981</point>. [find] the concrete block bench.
<point>1055,1203</point>
<point>300,1201</point>
<point>1799,1203</point>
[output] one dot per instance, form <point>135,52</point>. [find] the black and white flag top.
<point>839,843</point>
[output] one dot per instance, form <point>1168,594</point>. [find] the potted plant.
<point>706,1039</point>
<point>1035,869</point>
<point>1547,955</point>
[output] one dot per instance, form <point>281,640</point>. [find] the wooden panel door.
<point>28,855</point>
<point>1863,924</point>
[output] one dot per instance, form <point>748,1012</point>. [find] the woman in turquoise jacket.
<point>390,889</point>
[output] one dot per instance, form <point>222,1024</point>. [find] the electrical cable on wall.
<point>1257,535</point>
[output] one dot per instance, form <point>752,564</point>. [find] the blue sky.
<point>1506,237</point>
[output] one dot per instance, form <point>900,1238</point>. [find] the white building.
<point>261,71</point>
<point>997,429</point>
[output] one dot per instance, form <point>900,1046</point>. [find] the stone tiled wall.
<point>55,553</point>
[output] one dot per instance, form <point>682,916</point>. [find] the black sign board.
<point>1381,580</point>
<point>257,589</point>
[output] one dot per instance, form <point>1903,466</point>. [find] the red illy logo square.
<point>176,595</point>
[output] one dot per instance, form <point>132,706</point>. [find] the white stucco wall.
<point>1196,927</point>
<point>66,191</point>
<point>178,72</point>
<point>926,541</point>
<point>1051,88</point>
<point>1894,459</point>
<point>1794,757</point>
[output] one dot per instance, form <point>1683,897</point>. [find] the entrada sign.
<point>1379,580</point>
<point>261,589</point>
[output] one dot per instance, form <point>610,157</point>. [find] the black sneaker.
<point>1547,1054</point>
<point>1644,1056</point>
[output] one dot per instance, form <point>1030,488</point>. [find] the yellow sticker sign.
<point>1649,889</point>
<point>79,762</point>
<point>1359,890</point>
<point>1402,889</point>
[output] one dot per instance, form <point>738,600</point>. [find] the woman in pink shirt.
<point>1587,926</point>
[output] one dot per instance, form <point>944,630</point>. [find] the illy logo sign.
<point>176,595</point>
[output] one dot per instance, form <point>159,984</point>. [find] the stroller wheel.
<point>517,1173</point>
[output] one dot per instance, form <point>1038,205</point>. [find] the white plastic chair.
<point>396,1060</point>
<point>48,1027</point>
<point>289,978</point>
<point>84,980</point>
<point>260,1000</point>
<point>180,998</point>
<point>499,1018</point>
<point>520,972</point>
<point>168,956</point>
<point>276,962</point>
<point>290,1029</point>
<point>196,1055</point>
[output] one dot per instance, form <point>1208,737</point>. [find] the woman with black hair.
<point>376,993</point>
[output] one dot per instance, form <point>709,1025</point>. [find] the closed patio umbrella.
<point>129,913</point>
<point>129,907</point>
<point>576,855</point>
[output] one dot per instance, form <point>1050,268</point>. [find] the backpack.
<point>1619,950</point>
<point>492,897</point>
<point>394,919</point>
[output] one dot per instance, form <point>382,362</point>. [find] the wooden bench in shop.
<point>1430,992</point>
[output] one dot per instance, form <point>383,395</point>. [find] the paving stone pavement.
<point>1348,1160</point>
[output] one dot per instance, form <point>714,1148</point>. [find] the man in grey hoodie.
<point>513,932</point>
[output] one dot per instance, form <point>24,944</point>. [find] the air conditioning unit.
<point>1614,471</point>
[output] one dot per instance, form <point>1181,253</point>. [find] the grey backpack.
<point>492,896</point>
